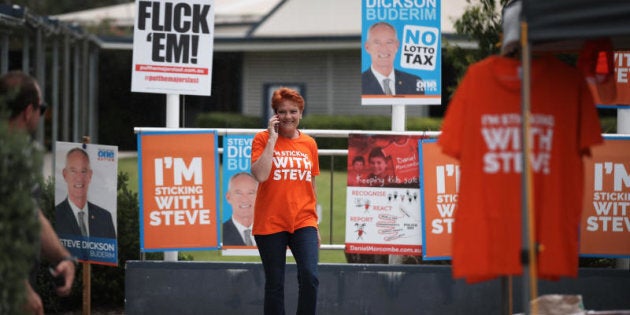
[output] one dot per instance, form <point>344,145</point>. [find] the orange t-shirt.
<point>286,201</point>
<point>482,129</point>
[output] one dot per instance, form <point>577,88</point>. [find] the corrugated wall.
<point>332,81</point>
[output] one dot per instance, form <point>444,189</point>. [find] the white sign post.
<point>172,54</point>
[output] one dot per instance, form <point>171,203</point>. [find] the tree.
<point>481,22</point>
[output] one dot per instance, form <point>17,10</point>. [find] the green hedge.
<point>356,122</point>
<point>20,165</point>
<point>339,122</point>
<point>227,120</point>
<point>609,124</point>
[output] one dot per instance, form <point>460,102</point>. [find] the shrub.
<point>609,124</point>
<point>356,122</point>
<point>227,120</point>
<point>20,164</point>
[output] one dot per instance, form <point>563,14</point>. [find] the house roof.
<point>267,24</point>
<point>295,18</point>
<point>119,14</point>
<point>226,12</point>
<point>305,18</point>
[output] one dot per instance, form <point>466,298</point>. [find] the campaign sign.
<point>439,177</point>
<point>605,228</point>
<point>401,56</point>
<point>85,201</point>
<point>172,47</point>
<point>383,195</point>
<point>178,190</point>
<point>617,91</point>
<point>238,196</point>
<point>237,154</point>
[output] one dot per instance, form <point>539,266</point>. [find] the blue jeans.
<point>304,245</point>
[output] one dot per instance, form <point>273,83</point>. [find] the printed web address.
<point>385,249</point>
<point>171,69</point>
<point>163,78</point>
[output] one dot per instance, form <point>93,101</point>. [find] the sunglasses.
<point>42,108</point>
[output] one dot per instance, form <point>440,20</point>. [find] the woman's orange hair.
<point>282,94</point>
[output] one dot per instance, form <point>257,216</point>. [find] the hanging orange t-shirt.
<point>482,129</point>
<point>286,201</point>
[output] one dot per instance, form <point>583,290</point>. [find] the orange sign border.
<point>179,144</point>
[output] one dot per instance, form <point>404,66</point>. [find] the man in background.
<point>241,195</point>
<point>23,98</point>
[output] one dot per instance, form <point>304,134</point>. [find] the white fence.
<point>316,133</point>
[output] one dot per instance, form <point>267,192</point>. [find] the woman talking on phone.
<point>285,163</point>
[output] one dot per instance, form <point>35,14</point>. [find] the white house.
<point>312,44</point>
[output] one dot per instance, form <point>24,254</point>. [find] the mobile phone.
<point>275,126</point>
<point>58,280</point>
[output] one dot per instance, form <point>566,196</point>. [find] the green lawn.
<point>332,225</point>
<point>325,256</point>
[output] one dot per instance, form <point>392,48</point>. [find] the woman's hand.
<point>274,123</point>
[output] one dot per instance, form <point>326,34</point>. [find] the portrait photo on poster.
<point>241,196</point>
<point>86,179</point>
<point>382,77</point>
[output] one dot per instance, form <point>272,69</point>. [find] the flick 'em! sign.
<point>178,191</point>
<point>172,47</point>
